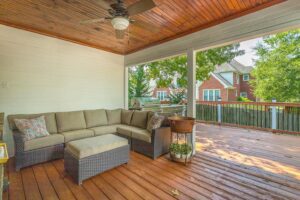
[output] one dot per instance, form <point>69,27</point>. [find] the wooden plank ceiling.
<point>173,18</point>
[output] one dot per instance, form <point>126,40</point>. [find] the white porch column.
<point>191,86</point>
<point>126,87</point>
<point>191,90</point>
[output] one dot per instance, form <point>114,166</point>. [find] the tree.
<point>163,72</point>
<point>277,72</point>
<point>138,84</point>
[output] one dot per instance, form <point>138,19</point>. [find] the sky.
<point>250,54</point>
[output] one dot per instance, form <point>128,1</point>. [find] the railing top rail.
<point>250,103</point>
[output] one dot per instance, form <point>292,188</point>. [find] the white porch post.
<point>191,87</point>
<point>126,87</point>
<point>191,90</point>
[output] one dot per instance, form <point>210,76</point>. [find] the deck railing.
<point>275,117</point>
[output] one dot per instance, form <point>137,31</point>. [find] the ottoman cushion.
<point>95,145</point>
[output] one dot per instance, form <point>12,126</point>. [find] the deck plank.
<point>62,190</point>
<point>45,187</point>
<point>15,190</point>
<point>133,185</point>
<point>94,191</point>
<point>108,190</point>
<point>30,185</point>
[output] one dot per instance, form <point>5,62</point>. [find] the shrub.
<point>243,99</point>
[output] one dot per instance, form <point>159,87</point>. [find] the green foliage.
<point>177,97</point>
<point>138,84</point>
<point>185,149</point>
<point>277,72</point>
<point>174,148</point>
<point>164,71</point>
<point>243,99</point>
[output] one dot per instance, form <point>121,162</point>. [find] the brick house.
<point>161,93</point>
<point>228,81</point>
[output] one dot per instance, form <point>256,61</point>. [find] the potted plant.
<point>172,148</point>
<point>177,151</point>
<point>186,151</point>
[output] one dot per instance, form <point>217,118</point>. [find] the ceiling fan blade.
<point>120,34</point>
<point>91,21</point>
<point>146,26</point>
<point>139,7</point>
<point>104,4</point>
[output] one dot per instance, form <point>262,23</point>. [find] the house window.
<point>237,79</point>
<point>246,77</point>
<point>161,95</point>
<point>211,94</point>
<point>244,94</point>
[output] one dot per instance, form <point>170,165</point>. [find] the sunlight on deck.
<point>241,154</point>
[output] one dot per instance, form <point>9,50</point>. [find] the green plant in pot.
<point>186,151</point>
<point>175,150</point>
<point>172,148</point>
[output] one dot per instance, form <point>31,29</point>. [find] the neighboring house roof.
<point>233,66</point>
<point>222,80</point>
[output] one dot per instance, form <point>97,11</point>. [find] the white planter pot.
<point>183,156</point>
<point>177,155</point>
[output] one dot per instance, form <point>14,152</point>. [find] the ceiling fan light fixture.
<point>120,23</point>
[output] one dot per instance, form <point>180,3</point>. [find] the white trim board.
<point>276,18</point>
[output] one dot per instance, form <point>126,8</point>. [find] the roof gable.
<point>233,66</point>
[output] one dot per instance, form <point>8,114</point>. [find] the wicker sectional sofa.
<point>69,126</point>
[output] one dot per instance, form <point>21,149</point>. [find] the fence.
<point>275,117</point>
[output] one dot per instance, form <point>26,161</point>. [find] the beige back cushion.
<point>95,118</point>
<point>126,116</point>
<point>139,119</point>
<point>49,118</point>
<point>69,121</point>
<point>114,116</point>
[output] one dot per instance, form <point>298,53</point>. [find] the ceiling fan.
<point>120,15</point>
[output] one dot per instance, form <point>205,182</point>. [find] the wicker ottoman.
<point>88,157</point>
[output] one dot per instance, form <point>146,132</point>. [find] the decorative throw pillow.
<point>32,128</point>
<point>155,122</point>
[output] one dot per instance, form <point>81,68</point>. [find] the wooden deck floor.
<point>230,164</point>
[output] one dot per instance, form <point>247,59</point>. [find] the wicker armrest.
<point>161,134</point>
<point>19,139</point>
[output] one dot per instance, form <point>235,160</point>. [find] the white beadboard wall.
<point>44,74</point>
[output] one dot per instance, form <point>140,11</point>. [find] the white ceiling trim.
<point>277,18</point>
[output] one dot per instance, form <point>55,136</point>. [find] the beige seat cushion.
<point>139,119</point>
<point>141,134</point>
<point>78,134</point>
<point>125,130</point>
<point>114,116</point>
<point>95,118</point>
<point>102,130</point>
<point>69,121</point>
<point>92,146</point>
<point>126,116</point>
<point>42,142</point>
<point>49,118</point>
